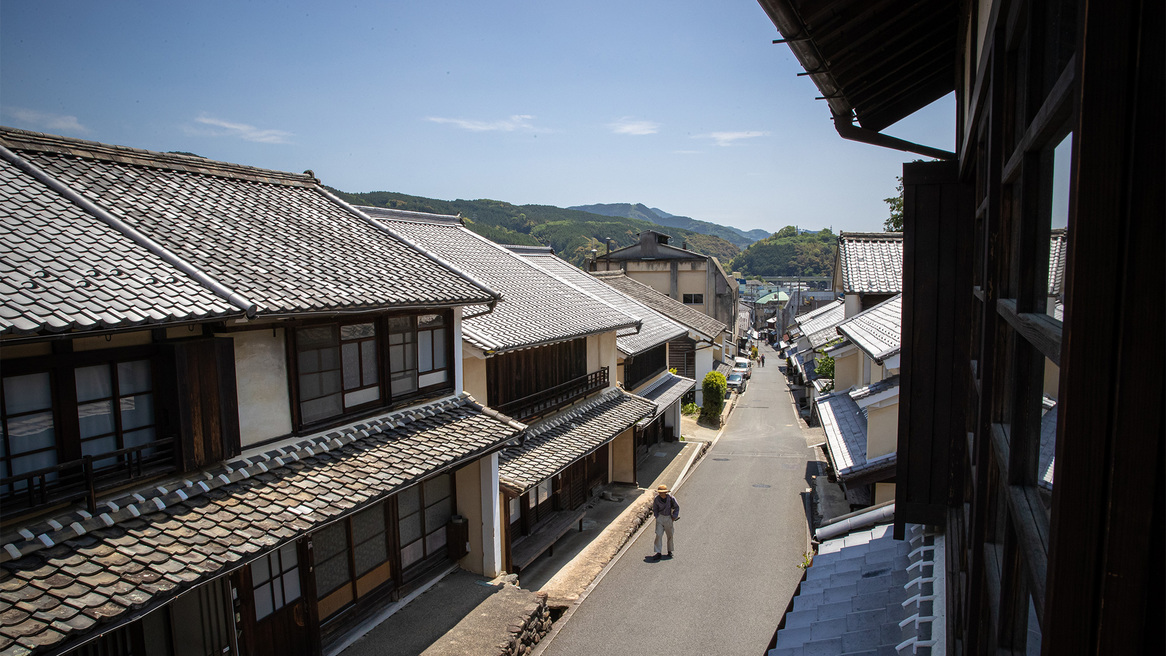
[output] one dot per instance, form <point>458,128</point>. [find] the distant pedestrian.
<point>666,511</point>
<point>762,359</point>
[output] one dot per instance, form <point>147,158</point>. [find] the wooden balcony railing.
<point>83,478</point>
<point>556,397</point>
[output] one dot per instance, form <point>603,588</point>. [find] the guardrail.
<point>555,397</point>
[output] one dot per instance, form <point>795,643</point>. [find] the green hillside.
<point>787,253</point>
<point>571,233</point>
<point>735,236</point>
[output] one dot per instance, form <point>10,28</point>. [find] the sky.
<point>683,105</point>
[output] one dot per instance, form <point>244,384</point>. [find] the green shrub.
<point>714,387</point>
<point>690,408</point>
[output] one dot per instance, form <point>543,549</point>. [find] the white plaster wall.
<point>474,378</point>
<point>884,492</point>
<point>704,364</point>
<point>1052,379</point>
<point>607,356</point>
<point>852,305</point>
<point>882,430</point>
<point>261,380</point>
<point>848,370</point>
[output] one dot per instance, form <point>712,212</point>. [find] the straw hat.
<point>663,489</point>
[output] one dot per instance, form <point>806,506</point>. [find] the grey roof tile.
<point>1046,462</point>
<point>55,283</point>
<point>877,330</point>
<point>845,427</point>
<point>552,445</point>
<point>874,389</point>
<point>663,393</point>
<point>871,262</point>
<point>278,240</point>
<point>1058,254</point>
<point>819,325</point>
<point>154,547</point>
<point>656,329</point>
<point>673,309</point>
<point>536,307</point>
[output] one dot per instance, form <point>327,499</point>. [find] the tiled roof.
<point>278,240</point>
<point>536,307</point>
<point>845,427</point>
<point>861,592</point>
<point>62,268</point>
<point>1046,462</point>
<point>664,392</point>
<point>551,446</point>
<point>76,575</point>
<point>1058,252</point>
<point>871,262</point>
<point>877,330</point>
<point>819,325</point>
<point>673,309</point>
<point>656,329</point>
<point>874,389</point>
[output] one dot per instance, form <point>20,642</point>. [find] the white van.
<point>743,366</point>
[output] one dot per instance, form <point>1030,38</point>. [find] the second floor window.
<point>694,299</point>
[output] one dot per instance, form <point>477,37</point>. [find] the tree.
<point>714,387</point>
<point>788,231</point>
<point>894,223</point>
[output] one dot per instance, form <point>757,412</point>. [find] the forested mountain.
<point>571,233</point>
<point>789,253</point>
<point>735,236</point>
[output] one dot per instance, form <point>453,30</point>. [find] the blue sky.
<point>682,105</point>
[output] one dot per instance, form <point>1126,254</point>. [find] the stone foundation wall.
<point>527,629</point>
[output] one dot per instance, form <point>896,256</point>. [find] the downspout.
<point>129,231</point>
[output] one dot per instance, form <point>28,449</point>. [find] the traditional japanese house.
<point>231,408</point>
<point>692,355</point>
<point>642,366</point>
<point>868,268</point>
<point>1029,565</point>
<point>547,356</point>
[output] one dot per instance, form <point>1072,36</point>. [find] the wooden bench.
<point>544,537</point>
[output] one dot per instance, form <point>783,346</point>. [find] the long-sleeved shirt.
<point>665,505</point>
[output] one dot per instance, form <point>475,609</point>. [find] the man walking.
<point>763,360</point>
<point>666,511</point>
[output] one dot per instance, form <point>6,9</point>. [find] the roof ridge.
<point>889,236</point>
<point>54,530</point>
<point>411,215</point>
<point>27,140</point>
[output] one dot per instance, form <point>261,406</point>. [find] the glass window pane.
<point>322,408</point>
<point>412,553</point>
<point>137,411</point>
<point>93,383</point>
<point>310,387</point>
<point>436,489</point>
<point>95,418</point>
<point>410,528</point>
<point>277,591</point>
<point>316,337</point>
<point>371,554</point>
<point>430,320</point>
<point>351,365</point>
<point>138,438</point>
<point>133,377</point>
<point>291,586</point>
<point>360,397</point>
<point>434,541</point>
<point>515,509</point>
<point>288,558</point>
<point>330,540</point>
<point>357,331</point>
<point>330,382</point>
<point>367,523</point>
<point>25,464</point>
<point>99,446</point>
<point>439,348</point>
<point>329,359</point>
<point>368,363</point>
<point>408,501</point>
<point>331,574</point>
<point>437,516</point>
<point>309,362</point>
<point>400,324</point>
<point>263,606</point>
<point>31,432</point>
<point>261,571</point>
<point>403,383</point>
<point>425,350</point>
<point>27,393</point>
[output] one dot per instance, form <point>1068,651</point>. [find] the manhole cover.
<point>760,485</point>
<point>721,459</point>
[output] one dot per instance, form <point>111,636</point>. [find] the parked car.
<point>743,366</point>
<point>736,382</point>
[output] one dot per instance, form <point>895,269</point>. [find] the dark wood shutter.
<point>937,287</point>
<point>207,401</point>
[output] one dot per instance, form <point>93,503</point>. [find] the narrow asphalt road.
<point>741,534</point>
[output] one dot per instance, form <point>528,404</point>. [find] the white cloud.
<point>31,118</point>
<point>517,122</point>
<point>631,126</point>
<point>218,127</point>
<point>728,138</point>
